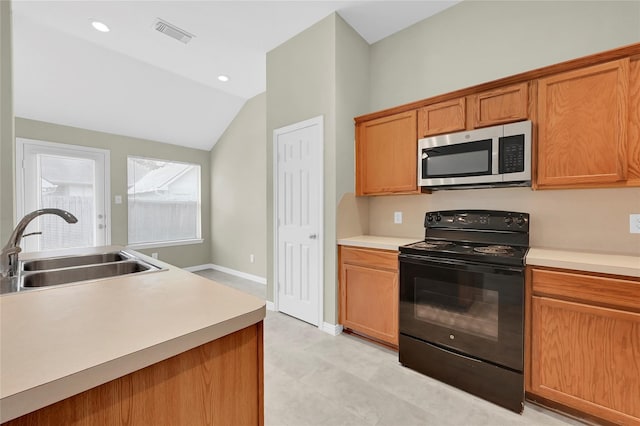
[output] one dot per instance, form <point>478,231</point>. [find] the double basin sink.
<point>70,269</point>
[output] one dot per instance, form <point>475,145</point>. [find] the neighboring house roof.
<point>45,184</point>
<point>159,179</point>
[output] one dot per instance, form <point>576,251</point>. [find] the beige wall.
<point>238,191</point>
<point>585,219</point>
<point>321,71</point>
<point>7,147</point>
<point>120,147</point>
<point>493,40</point>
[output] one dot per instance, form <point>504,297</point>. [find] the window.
<point>164,202</point>
<point>68,177</point>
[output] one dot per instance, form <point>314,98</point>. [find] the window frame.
<point>168,243</point>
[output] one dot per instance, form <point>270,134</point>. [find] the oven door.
<point>469,308</point>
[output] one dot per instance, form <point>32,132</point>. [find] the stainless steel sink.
<point>68,261</point>
<point>83,273</point>
<point>71,269</point>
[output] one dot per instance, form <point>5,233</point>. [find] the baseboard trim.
<point>199,267</point>
<point>332,329</point>
<point>254,278</point>
<point>270,306</point>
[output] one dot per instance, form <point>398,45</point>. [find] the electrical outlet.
<point>634,223</point>
<point>252,258</point>
<point>118,199</point>
<point>154,255</point>
<point>397,217</point>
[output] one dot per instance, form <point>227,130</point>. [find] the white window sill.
<point>164,244</point>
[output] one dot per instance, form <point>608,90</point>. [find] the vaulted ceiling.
<point>136,81</point>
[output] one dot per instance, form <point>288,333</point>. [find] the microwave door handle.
<point>495,155</point>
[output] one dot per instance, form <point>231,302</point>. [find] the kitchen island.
<point>166,347</point>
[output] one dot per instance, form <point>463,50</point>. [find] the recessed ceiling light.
<point>223,77</point>
<point>100,26</point>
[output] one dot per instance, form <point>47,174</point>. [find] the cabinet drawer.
<point>374,258</point>
<point>607,291</point>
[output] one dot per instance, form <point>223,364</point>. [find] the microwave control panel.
<point>512,154</point>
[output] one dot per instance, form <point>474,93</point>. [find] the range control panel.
<point>493,220</point>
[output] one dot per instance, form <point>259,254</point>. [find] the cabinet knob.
<point>313,236</point>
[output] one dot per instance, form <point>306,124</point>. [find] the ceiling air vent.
<point>172,31</point>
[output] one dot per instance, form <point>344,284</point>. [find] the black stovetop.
<point>484,236</point>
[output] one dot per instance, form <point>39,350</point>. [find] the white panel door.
<point>298,150</point>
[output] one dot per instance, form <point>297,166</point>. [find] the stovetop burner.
<point>495,249</point>
<point>485,236</point>
<point>432,244</point>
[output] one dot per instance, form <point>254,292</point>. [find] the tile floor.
<point>313,378</point>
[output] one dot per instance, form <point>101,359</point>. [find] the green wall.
<point>120,147</point>
<point>495,39</point>
<point>479,41</point>
<point>300,85</point>
<point>321,71</point>
<point>7,147</point>
<point>238,191</point>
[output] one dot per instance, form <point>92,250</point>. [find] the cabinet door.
<point>387,155</point>
<point>633,153</point>
<point>443,117</point>
<point>503,105</point>
<point>582,128</point>
<point>586,357</point>
<point>369,302</point>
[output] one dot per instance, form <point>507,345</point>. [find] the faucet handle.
<point>32,233</point>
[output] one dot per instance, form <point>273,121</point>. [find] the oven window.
<point>470,309</point>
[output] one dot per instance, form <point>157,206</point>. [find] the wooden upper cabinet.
<point>443,117</point>
<point>502,105</point>
<point>633,139</point>
<point>582,126</point>
<point>387,155</point>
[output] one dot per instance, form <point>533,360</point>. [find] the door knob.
<point>313,236</point>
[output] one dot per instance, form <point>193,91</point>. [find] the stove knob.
<point>429,218</point>
<point>520,221</point>
<point>508,220</point>
<point>438,217</point>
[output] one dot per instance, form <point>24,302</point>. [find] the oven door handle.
<point>452,263</point>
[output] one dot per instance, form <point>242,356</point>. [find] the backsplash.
<point>585,219</point>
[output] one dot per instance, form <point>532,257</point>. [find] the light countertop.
<point>584,261</point>
<point>603,263</point>
<point>372,241</point>
<point>58,341</point>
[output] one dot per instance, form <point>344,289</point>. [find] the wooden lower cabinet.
<point>369,293</point>
<point>584,348</point>
<point>218,383</point>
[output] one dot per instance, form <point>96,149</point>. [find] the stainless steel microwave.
<point>489,157</point>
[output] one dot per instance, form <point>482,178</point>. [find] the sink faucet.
<point>9,256</point>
